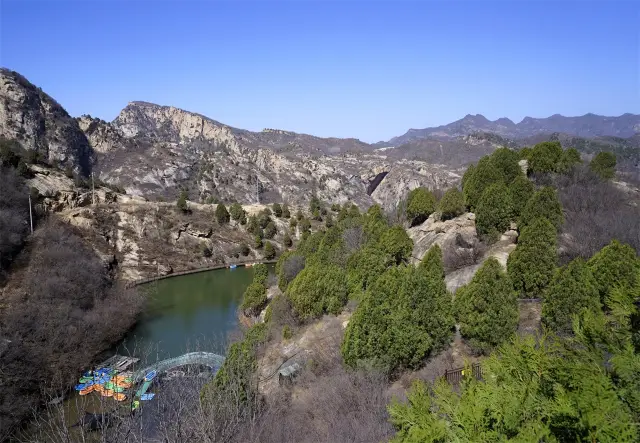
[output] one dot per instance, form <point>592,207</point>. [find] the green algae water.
<point>194,312</point>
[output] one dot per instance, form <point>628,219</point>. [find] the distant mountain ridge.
<point>588,126</point>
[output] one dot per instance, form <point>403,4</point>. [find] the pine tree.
<point>182,202</point>
<point>277,210</point>
<point>452,204</point>
<point>604,164</point>
<point>287,240</point>
<point>270,230</point>
<point>521,190</point>
<point>532,264</point>
<point>318,289</point>
<point>285,211</point>
<point>487,308</point>
<point>572,289</point>
<point>614,265</point>
<point>544,203</point>
<point>236,211</point>
<point>546,157</point>
<point>397,244</point>
<point>222,215</point>
<point>432,262</point>
<point>483,175</point>
<point>506,161</point>
<point>420,205</point>
<point>269,251</point>
<point>494,211</point>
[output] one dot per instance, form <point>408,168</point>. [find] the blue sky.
<point>365,69</point>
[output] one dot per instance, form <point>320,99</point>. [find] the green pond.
<point>195,312</point>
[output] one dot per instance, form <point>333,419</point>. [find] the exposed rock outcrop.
<point>39,123</point>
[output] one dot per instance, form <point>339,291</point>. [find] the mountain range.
<point>588,125</point>
<point>158,151</point>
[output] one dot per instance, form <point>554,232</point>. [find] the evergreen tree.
<point>546,157</point>
<point>452,204</point>
<point>305,225</point>
<point>285,211</point>
<point>315,204</point>
<point>487,308</point>
<point>404,317</point>
<point>270,230</point>
<point>572,289</point>
<point>318,289</point>
<point>494,211</point>
<point>182,202</point>
<point>364,266</point>
<point>253,226</point>
<point>506,161</point>
<point>570,158</point>
<point>277,210</point>
<point>397,244</point>
<point>604,164</point>
<point>264,217</point>
<point>254,299</point>
<point>293,222</point>
<point>614,265</point>
<point>222,215</point>
<point>257,241</point>
<point>299,215</point>
<point>269,251</point>
<point>286,239</point>
<point>520,190</point>
<point>420,205</point>
<point>432,262</point>
<point>544,203</point>
<point>236,211</point>
<point>532,264</point>
<point>484,175</point>
<point>532,390</point>
<point>328,221</point>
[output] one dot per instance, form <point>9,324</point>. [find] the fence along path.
<point>239,263</point>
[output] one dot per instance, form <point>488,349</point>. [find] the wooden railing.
<point>454,376</point>
<point>238,263</point>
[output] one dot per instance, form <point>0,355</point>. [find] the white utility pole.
<point>30,214</point>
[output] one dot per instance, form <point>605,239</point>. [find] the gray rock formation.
<point>39,123</point>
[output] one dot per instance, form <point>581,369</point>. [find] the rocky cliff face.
<point>155,150</point>
<point>39,123</point>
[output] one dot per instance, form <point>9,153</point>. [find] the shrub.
<point>293,223</point>
<point>257,241</point>
<point>14,211</point>
<point>397,244</point>
<point>420,205</point>
<point>222,215</point>
<point>285,211</point>
<point>269,251</point>
<point>452,204</point>
<point>286,332</point>
<point>264,217</point>
<point>328,221</point>
<point>520,190</point>
<point>315,204</point>
<point>544,203</point>
<point>254,299</point>
<point>604,164</point>
<point>318,289</point>
<point>570,158</point>
<point>532,264</point>
<point>487,308</point>
<point>236,211</point>
<point>277,210</point>
<point>614,265</point>
<point>182,202</point>
<point>253,226</point>
<point>286,239</point>
<point>572,289</point>
<point>244,249</point>
<point>270,230</point>
<point>315,215</point>
<point>494,211</point>
<point>546,157</point>
<point>335,207</point>
<point>299,215</point>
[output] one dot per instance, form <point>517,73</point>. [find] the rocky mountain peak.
<point>39,123</point>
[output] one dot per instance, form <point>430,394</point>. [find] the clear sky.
<point>365,69</point>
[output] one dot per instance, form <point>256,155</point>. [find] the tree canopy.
<point>604,164</point>
<point>222,215</point>
<point>420,205</point>
<point>487,308</point>
<point>494,211</point>
<point>544,203</point>
<point>452,204</point>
